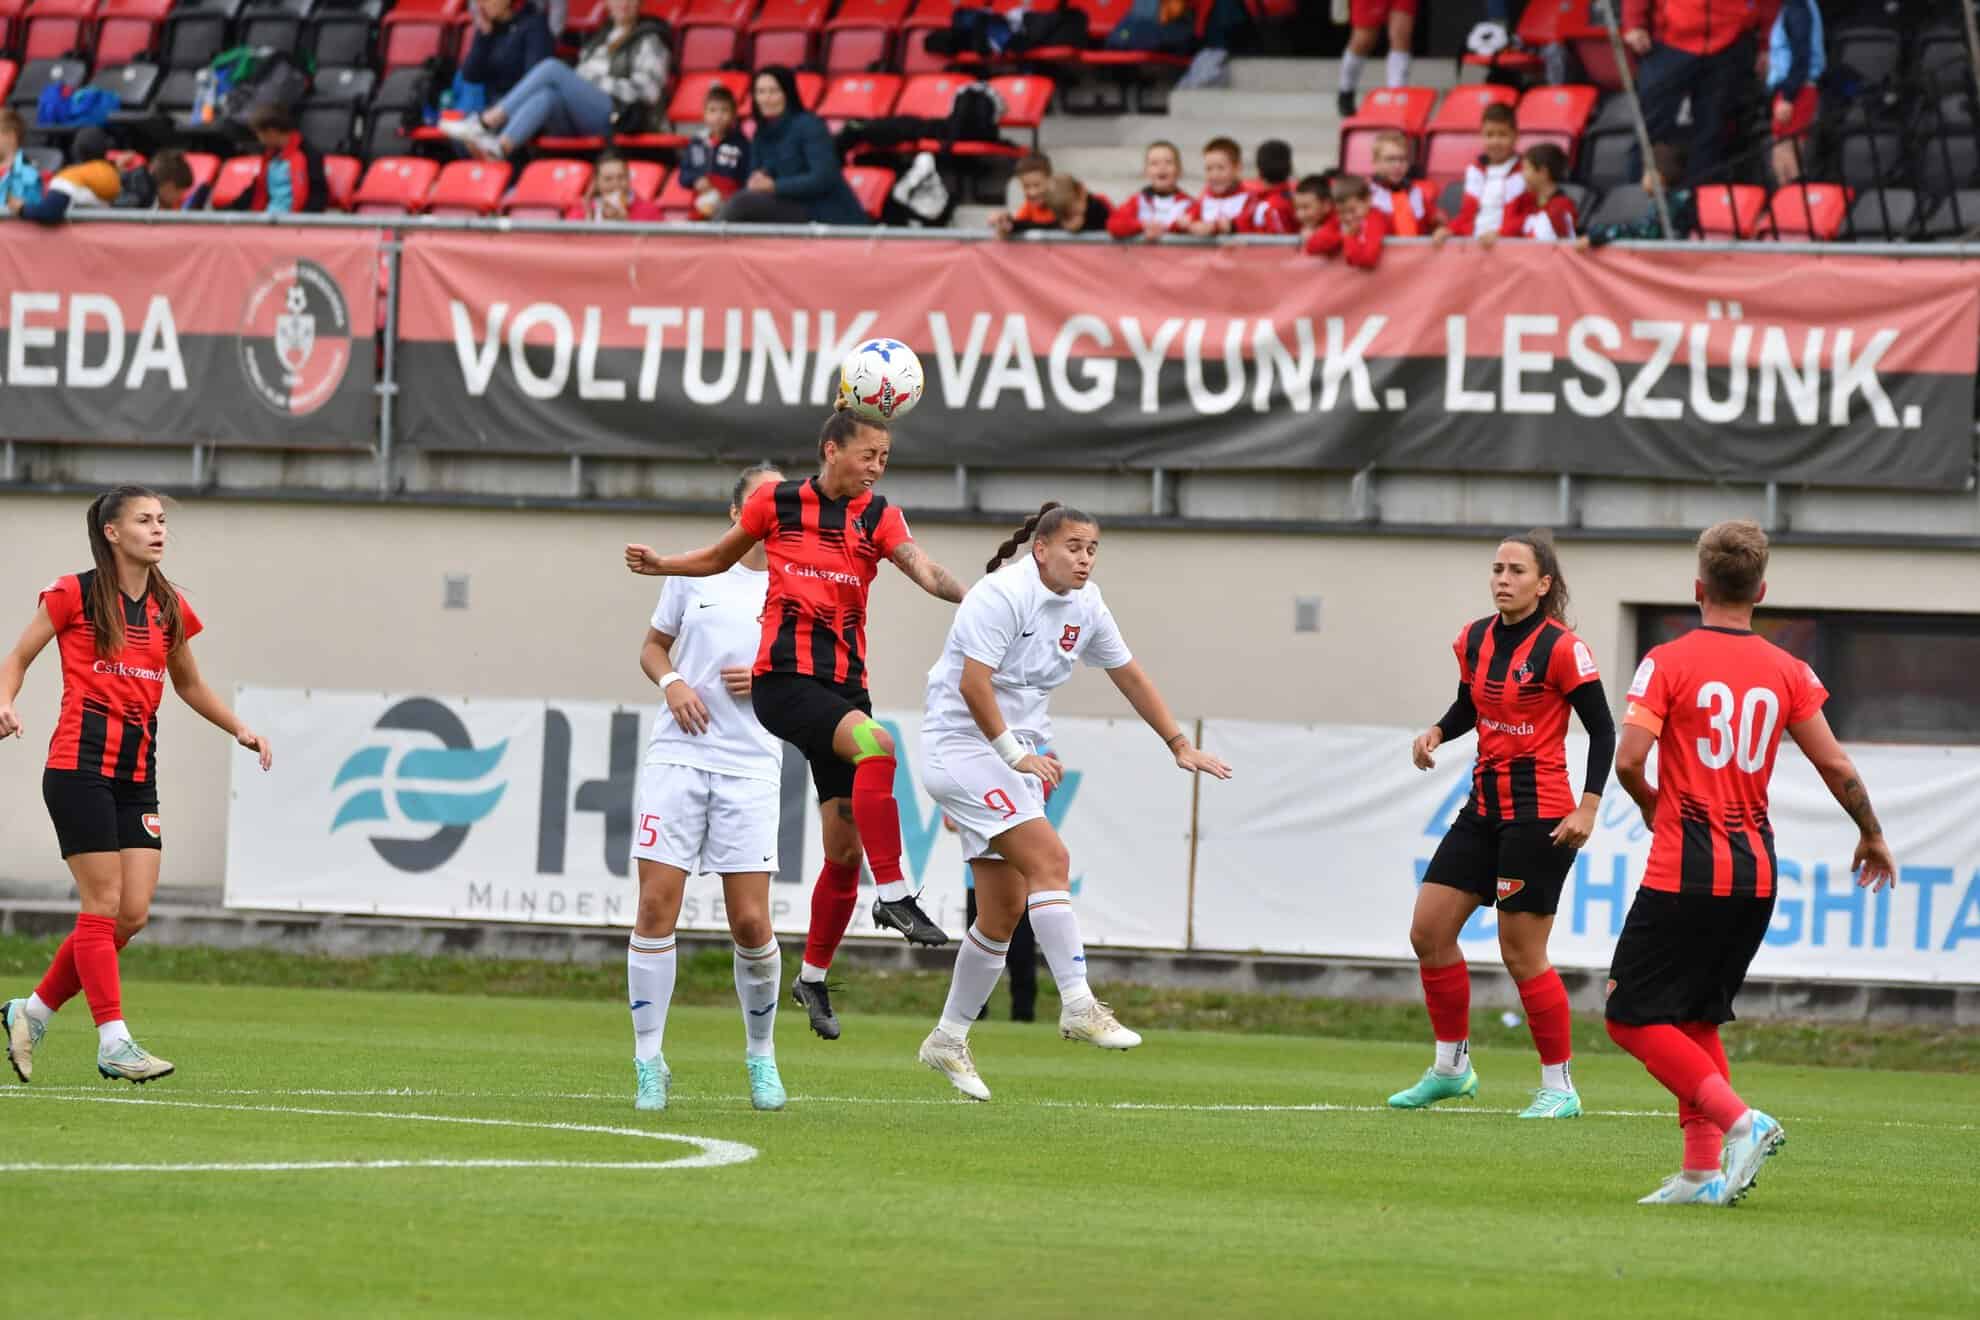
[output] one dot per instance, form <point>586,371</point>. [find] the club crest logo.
<point>295,338</point>
<point>1523,674</point>
<point>151,825</point>
<point>1070,638</point>
<point>1608,989</point>
<point>1507,888</point>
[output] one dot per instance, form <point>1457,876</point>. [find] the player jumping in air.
<point>122,628</point>
<point>707,801</point>
<point>1519,673</point>
<point>1714,703</point>
<point>826,536</point>
<point>1016,638</point>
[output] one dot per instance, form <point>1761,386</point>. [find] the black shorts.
<point>806,713</point>
<point>94,813</point>
<point>1683,957</point>
<point>1513,864</point>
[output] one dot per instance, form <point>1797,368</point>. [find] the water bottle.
<point>203,107</point>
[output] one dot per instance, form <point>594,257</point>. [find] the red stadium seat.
<point>710,33</point>
<point>929,95</point>
<point>127,30</point>
<point>1405,109</point>
<point>1808,211</point>
<point>676,200</point>
<point>1026,99</point>
<point>861,37</point>
<point>468,187</point>
<point>415,31</point>
<point>928,16</point>
<point>1730,210</point>
<point>692,90</point>
<point>810,86</point>
<point>787,32</point>
<point>585,17</point>
<point>8,72</point>
<point>10,23</point>
<point>871,185</point>
<point>205,167</point>
<point>1557,115</point>
<point>235,178</point>
<point>547,188</point>
<point>56,27</point>
<point>395,185</point>
<point>860,96</point>
<point>126,161</point>
<point>342,174</point>
<point>1102,16</point>
<point>648,177</point>
<point>1463,108</point>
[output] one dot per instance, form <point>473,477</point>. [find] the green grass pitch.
<point>1202,1174</point>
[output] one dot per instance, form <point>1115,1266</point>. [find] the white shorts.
<point>978,792</point>
<point>705,823</point>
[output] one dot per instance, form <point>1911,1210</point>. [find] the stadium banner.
<point>1322,845</point>
<point>1756,366</point>
<point>188,334</point>
<point>426,806</point>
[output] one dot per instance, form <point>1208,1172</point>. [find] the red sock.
<point>878,817</point>
<point>1548,1016</point>
<point>832,904</point>
<point>95,951</point>
<point>60,984</point>
<point>1704,1143</point>
<point>1447,994</point>
<point>1686,1070</point>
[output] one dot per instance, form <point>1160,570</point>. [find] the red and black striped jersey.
<point>824,555</point>
<point>109,720</point>
<point>1717,700</point>
<point>1519,677</point>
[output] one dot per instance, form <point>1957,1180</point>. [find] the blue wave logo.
<point>443,786</point>
<point>885,348</point>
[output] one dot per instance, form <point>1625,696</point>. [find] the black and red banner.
<point>188,334</point>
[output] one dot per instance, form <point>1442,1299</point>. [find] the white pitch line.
<point>313,1166</point>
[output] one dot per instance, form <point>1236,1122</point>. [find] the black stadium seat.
<point>1870,158</point>
<point>1874,53</point>
<point>1882,215</point>
<point>274,23</point>
<point>1623,204</point>
<point>340,33</point>
<point>327,126</point>
<point>1956,216</point>
<point>196,31</point>
<point>36,75</point>
<point>1605,160</point>
<point>345,86</point>
<point>134,84</point>
<point>395,104</point>
<point>1947,162</point>
<point>1943,64</point>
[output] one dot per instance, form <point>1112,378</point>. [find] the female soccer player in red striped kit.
<point>1519,673</point>
<point>826,536</point>
<point>121,628</point>
<point>1714,704</point>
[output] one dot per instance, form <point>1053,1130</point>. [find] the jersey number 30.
<point>1759,710</point>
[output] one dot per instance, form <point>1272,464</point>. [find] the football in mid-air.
<point>881,379</point>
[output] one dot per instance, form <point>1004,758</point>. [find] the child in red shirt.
<point>1490,181</point>
<point>611,196</point>
<point>1161,207</point>
<point>1355,230</point>
<point>1541,210</point>
<point>1313,204</point>
<point>1270,210</point>
<point>1223,199</point>
<point>1410,205</point>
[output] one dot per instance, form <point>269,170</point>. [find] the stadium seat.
<point>395,185</point>
<point>1451,138</point>
<point>928,16</point>
<point>1871,157</point>
<point>10,23</point>
<point>46,160</point>
<point>1948,162</point>
<point>710,34</point>
<point>236,178</point>
<point>1451,199</point>
<point>327,126</point>
<point>787,32</point>
<point>1882,215</point>
<point>277,24</point>
<point>342,174</point>
<point>1808,211</point>
<point>1541,24</point>
<point>861,37</point>
<point>1730,210</point>
<point>399,95</point>
<point>929,95</point>
<point>871,185</point>
<point>1583,197</point>
<point>205,167</point>
<point>1557,115</point>
<point>692,91</point>
<point>1873,52</point>
<point>1942,64</point>
<point>37,75</point>
<point>1102,16</point>
<point>1955,217</point>
<point>54,28</point>
<point>173,100</point>
<point>859,96</point>
<point>133,84</point>
<point>648,178</point>
<point>468,187</point>
<point>128,30</point>
<point>126,161</point>
<point>344,86</point>
<point>1406,109</point>
<point>1026,99</point>
<point>547,188</point>
<point>676,200</point>
<point>196,31</point>
<point>1623,204</point>
<point>415,31</point>
<point>8,71</point>
<point>340,34</point>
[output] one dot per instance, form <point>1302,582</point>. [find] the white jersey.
<point>1492,186</point>
<point>1030,637</point>
<point>715,624</point>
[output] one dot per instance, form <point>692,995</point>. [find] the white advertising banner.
<point>522,811</point>
<point>1322,849</point>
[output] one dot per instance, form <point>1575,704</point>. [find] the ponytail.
<point>104,605</point>
<point>1051,516</point>
<point>1547,561</point>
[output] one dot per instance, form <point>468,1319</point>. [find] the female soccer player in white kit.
<point>707,800</point>
<point>1016,637</point>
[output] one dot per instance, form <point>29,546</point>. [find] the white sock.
<point>1453,1057</point>
<point>1398,68</point>
<point>1056,925</point>
<point>806,972</point>
<point>1554,1077</point>
<point>1739,1131</point>
<point>1351,70</point>
<point>757,974</point>
<point>894,891</point>
<point>979,966</point>
<point>1700,1175</point>
<point>650,968</point>
<point>111,1034</point>
<point>38,1011</point>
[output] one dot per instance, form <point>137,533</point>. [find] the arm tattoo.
<point>1855,800</point>
<point>930,576</point>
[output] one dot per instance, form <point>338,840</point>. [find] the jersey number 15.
<point>1759,710</point>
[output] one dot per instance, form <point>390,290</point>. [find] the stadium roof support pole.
<point>388,375</point>
<point>1607,8</point>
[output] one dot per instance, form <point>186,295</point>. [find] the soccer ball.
<point>881,379</point>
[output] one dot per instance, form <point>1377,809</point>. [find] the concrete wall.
<point>349,597</point>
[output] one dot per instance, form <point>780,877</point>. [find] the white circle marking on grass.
<point>711,1152</point>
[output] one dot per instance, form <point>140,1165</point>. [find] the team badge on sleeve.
<point>1640,685</point>
<point>1584,660</point>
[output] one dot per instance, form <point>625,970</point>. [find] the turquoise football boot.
<point>1433,1086</point>
<point>766,1088</point>
<point>654,1079</point>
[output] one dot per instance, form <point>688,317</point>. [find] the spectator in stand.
<point>1160,207</point>
<point>616,86</point>
<point>1270,208</point>
<point>510,38</point>
<point>1366,19</point>
<point>716,164</point>
<point>1701,50</point>
<point>610,196</point>
<point>1355,229</point>
<point>173,187</point>
<point>88,180</point>
<point>1222,201</point>
<point>1073,208</point>
<point>1540,210</point>
<point>1667,169</point>
<point>1490,181</point>
<point>1409,204</point>
<point>1033,173</point>
<point>1794,62</point>
<point>20,181</point>
<point>796,176</point>
<point>291,179</point>
<point>1313,203</point>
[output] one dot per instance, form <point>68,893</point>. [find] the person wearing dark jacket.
<point>796,176</point>
<point>510,38</point>
<point>292,180</point>
<point>1696,50</point>
<point>615,87</point>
